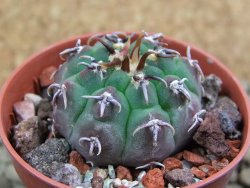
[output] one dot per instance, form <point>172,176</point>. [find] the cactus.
<point>126,99</point>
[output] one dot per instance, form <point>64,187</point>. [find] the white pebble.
<point>36,99</point>
<point>24,110</point>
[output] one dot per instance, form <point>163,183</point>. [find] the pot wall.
<point>22,81</point>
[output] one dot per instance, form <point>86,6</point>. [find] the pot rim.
<point>52,182</point>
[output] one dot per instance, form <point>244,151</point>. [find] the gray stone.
<point>45,109</point>
<point>66,174</point>
<point>212,87</point>
<point>244,177</point>
<point>24,110</point>
<point>179,177</point>
<point>53,150</point>
<point>229,116</point>
<point>35,99</point>
<point>29,134</point>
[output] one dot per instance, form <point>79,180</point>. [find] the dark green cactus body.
<point>113,114</point>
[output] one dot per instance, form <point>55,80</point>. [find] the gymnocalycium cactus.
<point>126,99</point>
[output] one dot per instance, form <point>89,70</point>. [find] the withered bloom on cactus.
<point>127,99</point>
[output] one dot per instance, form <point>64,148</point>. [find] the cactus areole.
<point>126,99</point>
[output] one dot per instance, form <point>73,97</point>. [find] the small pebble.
<point>24,110</point>
<point>234,143</point>
<point>111,171</point>
<point>208,169</point>
<point>107,183</point>
<point>198,173</point>
<point>186,164</point>
<point>88,176</point>
<point>99,172</point>
<point>196,180</point>
<point>77,160</point>
<point>153,179</point>
<point>194,158</point>
<point>123,173</point>
<point>35,99</point>
<point>233,152</point>
<point>117,182</point>
<point>97,182</point>
<point>65,173</point>
<point>179,177</point>
<point>171,163</point>
<point>179,156</point>
<point>220,164</point>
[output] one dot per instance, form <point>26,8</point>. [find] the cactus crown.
<point>126,98</point>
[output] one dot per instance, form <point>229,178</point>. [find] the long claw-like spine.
<point>197,119</point>
<point>94,143</point>
<point>177,87</point>
<point>104,100</point>
<point>194,63</point>
<point>60,90</point>
<point>77,49</point>
<point>153,163</point>
<point>94,65</point>
<point>155,126</point>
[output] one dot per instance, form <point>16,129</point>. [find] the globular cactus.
<point>126,99</point>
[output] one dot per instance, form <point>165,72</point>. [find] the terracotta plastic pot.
<point>22,81</point>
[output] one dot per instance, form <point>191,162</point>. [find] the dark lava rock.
<point>65,173</point>
<point>211,136</point>
<point>29,134</point>
<point>45,109</point>
<point>179,177</point>
<point>229,116</point>
<point>53,150</point>
<point>212,87</point>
